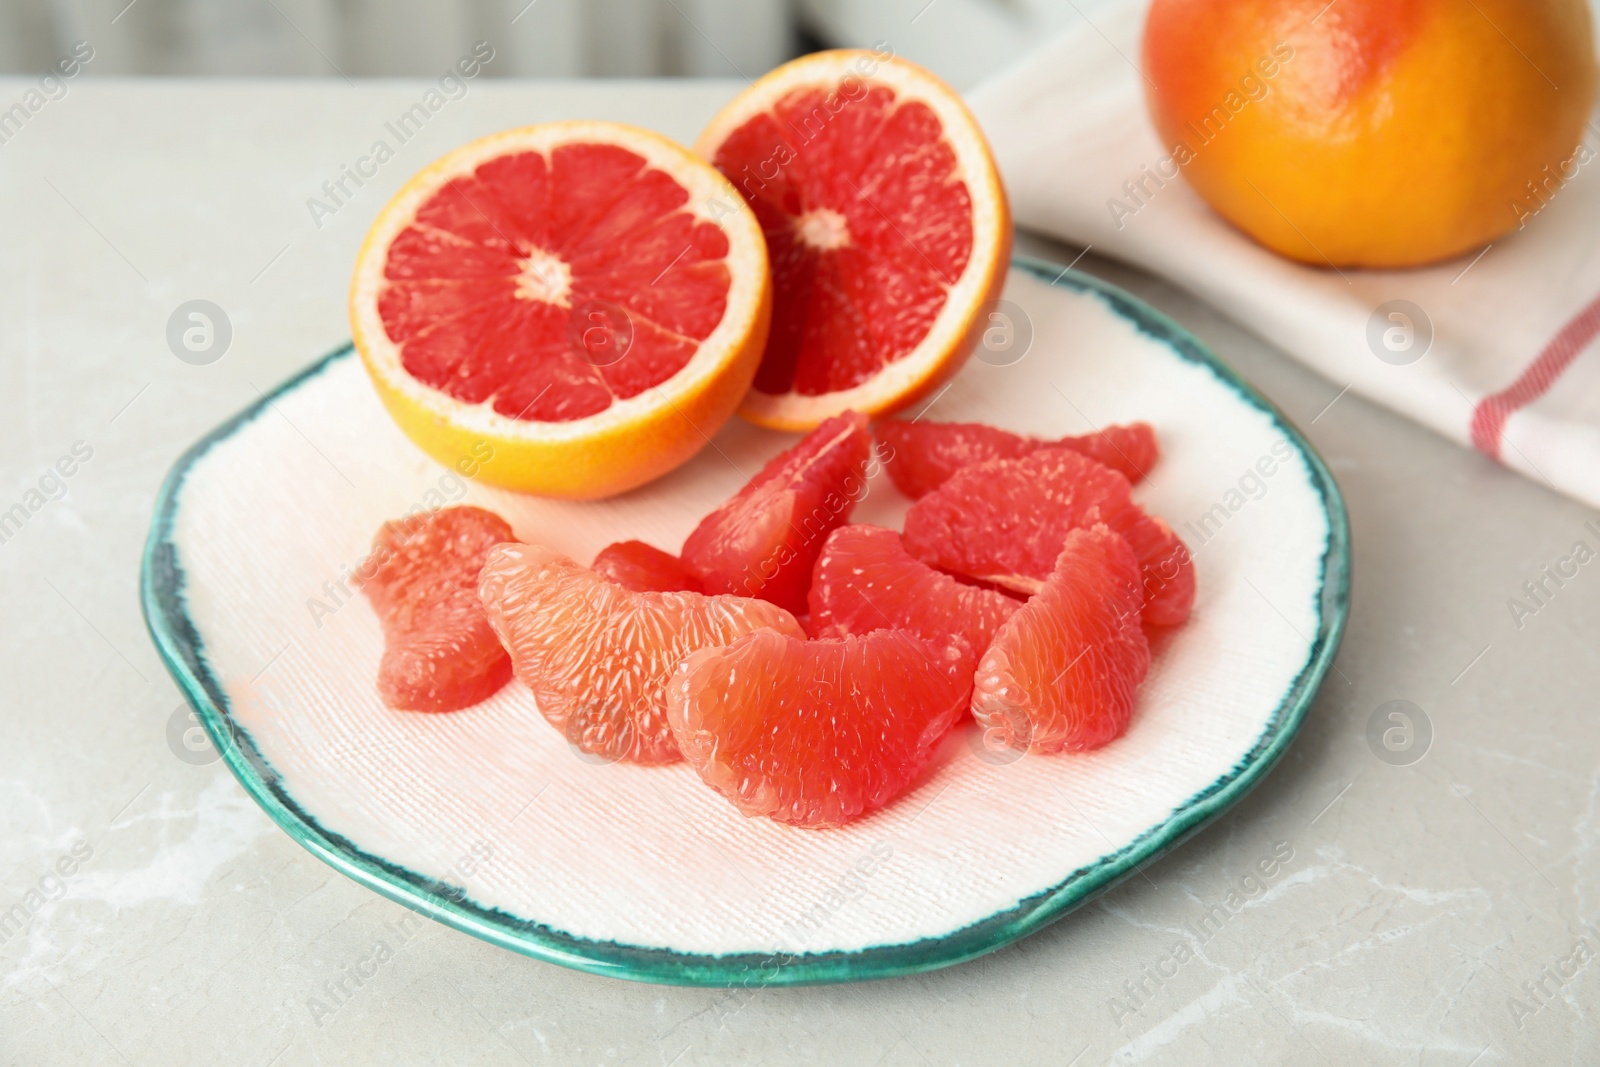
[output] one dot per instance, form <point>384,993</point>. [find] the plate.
<point>487,820</point>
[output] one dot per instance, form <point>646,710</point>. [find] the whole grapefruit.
<point>1370,133</point>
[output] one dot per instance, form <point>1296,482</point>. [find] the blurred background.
<point>531,38</point>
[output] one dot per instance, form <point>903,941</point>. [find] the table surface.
<point>1434,912</point>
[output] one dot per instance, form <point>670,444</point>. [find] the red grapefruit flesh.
<point>920,456</point>
<point>764,542</point>
<point>644,569</point>
<point>812,733</point>
<point>597,656</point>
<point>1062,673</point>
<point>865,580</point>
<point>1004,521</point>
<point>422,581</point>
<point>886,225</point>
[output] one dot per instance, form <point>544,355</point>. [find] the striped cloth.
<point>1496,350</point>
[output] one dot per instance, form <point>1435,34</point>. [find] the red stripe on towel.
<point>1489,417</point>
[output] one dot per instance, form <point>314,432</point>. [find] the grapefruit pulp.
<point>644,568</point>
<point>1062,673</point>
<point>597,656</point>
<point>865,580</point>
<point>764,541</point>
<point>422,581</point>
<point>812,733</point>
<point>922,455</point>
<point>1005,521</point>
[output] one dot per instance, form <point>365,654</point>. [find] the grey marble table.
<point>1422,911</point>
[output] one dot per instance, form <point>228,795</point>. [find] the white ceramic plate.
<point>487,820</point>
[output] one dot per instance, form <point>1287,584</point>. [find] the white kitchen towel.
<point>1496,350</point>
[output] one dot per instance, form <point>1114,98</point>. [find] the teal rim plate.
<point>487,821</point>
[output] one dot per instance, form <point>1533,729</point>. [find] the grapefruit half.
<point>571,307</point>
<point>886,224</point>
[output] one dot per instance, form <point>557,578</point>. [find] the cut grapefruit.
<point>812,733</point>
<point>1063,672</point>
<point>421,578</point>
<point>576,300</point>
<point>920,456</point>
<point>865,580</point>
<point>886,223</point>
<point>764,542</point>
<point>644,569</point>
<point>598,656</point>
<point>1005,521</point>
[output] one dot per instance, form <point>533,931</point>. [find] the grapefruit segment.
<point>764,542</point>
<point>644,569</point>
<point>920,456</point>
<point>421,579</point>
<point>887,226</point>
<point>1004,521</point>
<point>865,580</point>
<point>1063,672</point>
<point>586,299</point>
<point>597,656</point>
<point>812,733</point>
